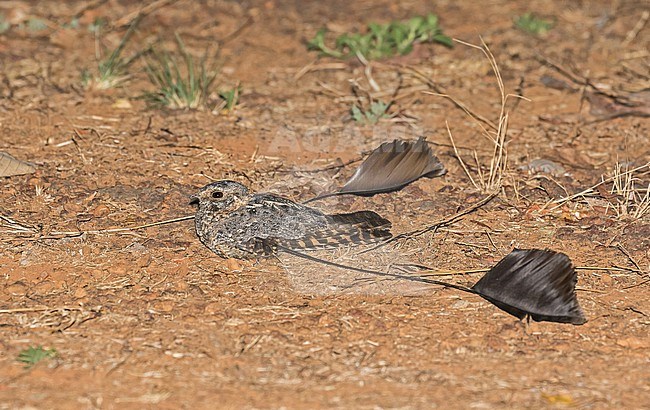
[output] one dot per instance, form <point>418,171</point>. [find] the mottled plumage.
<point>235,223</point>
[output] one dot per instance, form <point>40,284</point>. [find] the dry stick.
<point>589,290</point>
<point>37,309</point>
<point>63,234</point>
<point>429,272</point>
<point>88,6</point>
<point>629,256</point>
<point>15,226</point>
<point>450,219</point>
<point>144,11</point>
<point>612,268</point>
<point>311,67</point>
<point>574,77</point>
<point>439,92</point>
<point>463,107</point>
<point>327,168</point>
<point>447,221</point>
<point>631,35</point>
<point>368,72</point>
<point>234,34</point>
<point>636,285</point>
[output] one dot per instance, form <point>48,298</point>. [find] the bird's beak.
<point>194,199</point>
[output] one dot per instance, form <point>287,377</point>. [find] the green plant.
<point>36,24</point>
<point>383,40</point>
<point>97,25</point>
<point>532,24</point>
<point>33,355</point>
<point>179,88</point>
<point>4,24</point>
<point>113,70</point>
<point>230,98</point>
<point>377,111</point>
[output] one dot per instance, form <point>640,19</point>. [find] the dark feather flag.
<point>536,283</point>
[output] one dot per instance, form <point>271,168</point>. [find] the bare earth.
<point>150,318</point>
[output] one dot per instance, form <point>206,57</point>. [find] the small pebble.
<point>544,166</point>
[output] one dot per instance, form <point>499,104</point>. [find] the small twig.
<point>312,67</point>
<point>631,35</point>
<point>603,268</point>
<point>589,290</point>
<point>16,227</point>
<point>444,222</point>
<point>637,284</point>
<point>327,168</point>
<point>463,107</point>
<point>629,256</point>
<point>37,309</point>
<point>231,36</point>
<point>452,273</point>
<point>250,345</point>
<point>142,12</point>
<point>88,6</point>
<point>439,92</point>
<point>368,72</point>
<point>574,77</point>
<point>64,234</point>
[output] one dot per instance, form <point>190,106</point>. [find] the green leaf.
<point>378,109</point>
<point>444,40</point>
<point>357,115</point>
<point>33,355</point>
<point>318,44</point>
<point>231,97</point>
<point>532,24</point>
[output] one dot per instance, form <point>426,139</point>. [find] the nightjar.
<point>236,223</point>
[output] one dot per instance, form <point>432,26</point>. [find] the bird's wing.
<point>280,222</point>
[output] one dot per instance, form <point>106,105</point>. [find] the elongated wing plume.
<point>10,166</point>
<point>393,165</point>
<point>536,283</point>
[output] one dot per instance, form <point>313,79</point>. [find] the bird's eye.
<point>217,194</point>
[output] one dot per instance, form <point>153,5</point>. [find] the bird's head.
<point>221,196</point>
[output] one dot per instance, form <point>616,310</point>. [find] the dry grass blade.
<point>11,226</point>
<point>62,234</point>
<point>491,179</point>
<point>443,222</point>
<point>592,190</point>
<point>627,200</point>
<point>14,227</point>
